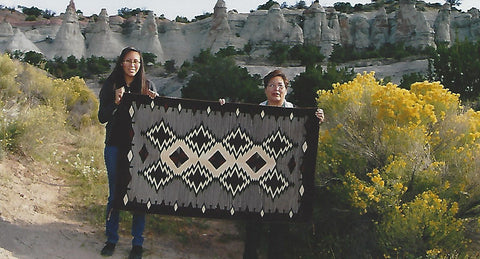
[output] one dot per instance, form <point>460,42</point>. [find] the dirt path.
<point>33,224</point>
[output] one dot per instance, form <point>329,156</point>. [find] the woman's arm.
<point>107,106</point>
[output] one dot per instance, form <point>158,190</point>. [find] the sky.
<point>185,8</point>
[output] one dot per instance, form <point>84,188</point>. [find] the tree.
<point>202,16</point>
<point>309,55</point>
<point>219,77</point>
<point>227,52</point>
<point>48,14</point>
<point>306,85</point>
<point>33,11</point>
<point>181,19</point>
<point>127,12</point>
<point>453,2</point>
<point>458,68</point>
<point>267,5</point>
<point>170,66</point>
<point>34,58</point>
<point>409,79</point>
<point>149,58</point>
<point>301,5</point>
<point>97,65</point>
<point>278,53</point>
<point>343,7</point>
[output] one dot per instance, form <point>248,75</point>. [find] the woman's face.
<point>276,91</point>
<point>131,64</point>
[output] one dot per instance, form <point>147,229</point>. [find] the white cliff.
<point>20,42</point>
<point>148,40</point>
<point>410,26</point>
<point>318,26</point>
<point>380,28</point>
<point>219,34</point>
<point>101,40</point>
<point>69,39</point>
<point>442,25</point>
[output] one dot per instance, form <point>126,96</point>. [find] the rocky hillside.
<point>410,22</point>
<point>414,24</point>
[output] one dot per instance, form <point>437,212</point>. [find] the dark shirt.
<point>108,111</point>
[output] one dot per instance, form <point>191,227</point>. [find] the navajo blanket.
<point>198,158</point>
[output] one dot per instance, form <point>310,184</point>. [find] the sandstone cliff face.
<point>106,36</point>
<point>69,39</point>
<point>101,40</point>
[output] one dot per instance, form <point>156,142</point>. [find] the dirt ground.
<point>35,224</point>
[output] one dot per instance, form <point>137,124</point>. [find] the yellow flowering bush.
<point>407,160</point>
<point>8,73</point>
<point>36,108</point>
<point>54,122</point>
<point>427,225</point>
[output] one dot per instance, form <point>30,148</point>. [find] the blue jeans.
<point>113,215</point>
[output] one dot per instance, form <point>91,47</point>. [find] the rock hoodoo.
<point>101,40</point>
<point>69,39</point>
<point>322,27</point>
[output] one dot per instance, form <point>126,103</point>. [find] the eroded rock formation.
<point>319,26</point>
<point>69,39</point>
<point>101,40</point>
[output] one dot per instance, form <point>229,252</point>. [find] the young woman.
<point>127,76</point>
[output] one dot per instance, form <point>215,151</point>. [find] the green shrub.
<point>278,53</point>
<point>170,66</point>
<point>34,58</point>
<point>408,79</point>
<point>219,77</point>
<point>8,73</point>
<point>149,58</point>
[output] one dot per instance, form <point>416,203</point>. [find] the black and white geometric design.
<point>158,174</point>
<point>235,180</point>
<point>200,140</point>
<point>237,142</point>
<point>160,135</point>
<point>236,160</point>
<point>199,158</point>
<point>274,183</point>
<point>197,177</point>
<point>277,144</point>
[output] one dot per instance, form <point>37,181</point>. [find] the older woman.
<point>276,86</point>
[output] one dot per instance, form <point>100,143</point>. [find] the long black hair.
<point>139,83</point>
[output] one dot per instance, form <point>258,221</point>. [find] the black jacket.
<point>108,112</point>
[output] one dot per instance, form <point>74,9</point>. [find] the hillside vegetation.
<point>397,173</point>
<point>51,125</point>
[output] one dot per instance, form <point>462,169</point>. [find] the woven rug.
<point>197,158</point>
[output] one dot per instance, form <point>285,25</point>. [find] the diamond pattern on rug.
<point>237,142</point>
<point>234,180</point>
<point>277,144</point>
<point>197,158</point>
<point>217,159</point>
<point>200,140</point>
<point>197,178</point>
<point>160,135</point>
<point>274,183</point>
<point>179,157</point>
<point>157,175</point>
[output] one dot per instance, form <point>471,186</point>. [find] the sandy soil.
<point>35,224</point>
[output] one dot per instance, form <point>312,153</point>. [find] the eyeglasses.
<point>135,61</point>
<point>279,86</point>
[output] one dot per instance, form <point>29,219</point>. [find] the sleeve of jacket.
<point>107,103</point>
<point>151,86</point>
